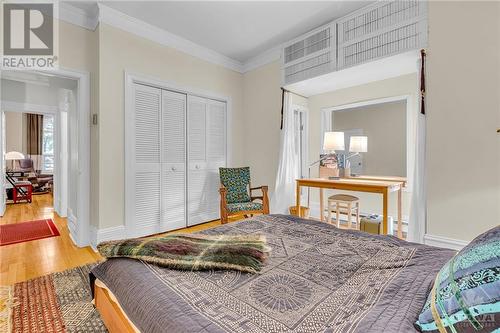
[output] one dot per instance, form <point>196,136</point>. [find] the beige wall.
<point>78,51</point>
<point>120,51</point>
<point>463,148</point>
<point>262,105</point>
<point>385,126</point>
<point>14,135</point>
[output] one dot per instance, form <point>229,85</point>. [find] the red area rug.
<point>27,231</point>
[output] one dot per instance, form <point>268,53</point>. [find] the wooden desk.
<point>358,184</point>
<point>382,178</point>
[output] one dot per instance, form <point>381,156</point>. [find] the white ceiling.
<point>239,30</point>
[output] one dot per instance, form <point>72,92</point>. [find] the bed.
<point>318,279</point>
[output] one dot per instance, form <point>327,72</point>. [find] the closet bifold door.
<point>173,156</point>
<point>216,153</point>
<point>143,172</point>
<point>206,153</point>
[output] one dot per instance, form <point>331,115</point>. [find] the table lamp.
<point>331,141</point>
<point>13,156</point>
<point>357,144</point>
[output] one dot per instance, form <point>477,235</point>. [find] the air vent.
<point>381,29</point>
<point>309,55</point>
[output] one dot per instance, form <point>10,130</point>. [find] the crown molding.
<point>77,16</point>
<point>117,19</point>
<point>140,28</point>
<point>262,59</point>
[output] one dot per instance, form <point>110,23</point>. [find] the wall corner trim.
<point>77,16</point>
<point>262,59</point>
<point>440,241</point>
<point>106,234</point>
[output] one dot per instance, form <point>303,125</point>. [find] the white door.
<point>143,206</point>
<point>216,154</point>
<point>173,153</point>
<point>206,153</point>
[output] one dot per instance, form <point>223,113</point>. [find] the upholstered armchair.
<point>236,194</point>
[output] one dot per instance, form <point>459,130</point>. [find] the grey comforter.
<point>318,279</point>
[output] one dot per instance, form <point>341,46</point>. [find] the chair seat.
<point>343,197</point>
<point>243,206</point>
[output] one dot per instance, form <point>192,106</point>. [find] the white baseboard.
<point>105,234</point>
<point>440,241</point>
<point>72,224</point>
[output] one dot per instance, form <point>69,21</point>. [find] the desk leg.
<point>385,212</point>
<point>400,215</point>
<point>321,208</point>
<point>297,200</point>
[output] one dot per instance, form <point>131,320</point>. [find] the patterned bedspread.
<point>318,279</point>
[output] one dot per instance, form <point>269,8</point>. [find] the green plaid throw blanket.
<point>245,253</point>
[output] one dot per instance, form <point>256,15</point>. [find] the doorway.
<point>45,140</point>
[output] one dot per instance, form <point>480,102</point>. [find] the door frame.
<point>78,226</point>
<point>131,78</point>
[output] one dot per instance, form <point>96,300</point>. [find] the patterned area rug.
<point>59,302</point>
<point>27,231</point>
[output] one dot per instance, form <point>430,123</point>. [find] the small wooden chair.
<point>343,204</point>
<point>236,194</point>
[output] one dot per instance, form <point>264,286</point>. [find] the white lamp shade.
<point>14,155</point>
<point>333,141</point>
<point>358,144</point>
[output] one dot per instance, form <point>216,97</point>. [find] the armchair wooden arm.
<point>223,204</point>
<point>264,197</point>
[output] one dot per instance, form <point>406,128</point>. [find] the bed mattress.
<point>318,279</point>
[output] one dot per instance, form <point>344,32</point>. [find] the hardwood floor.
<point>23,261</point>
<point>31,259</point>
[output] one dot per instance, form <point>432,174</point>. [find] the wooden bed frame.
<point>114,318</point>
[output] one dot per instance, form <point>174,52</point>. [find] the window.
<point>48,143</point>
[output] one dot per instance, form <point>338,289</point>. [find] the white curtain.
<point>289,164</point>
<point>418,209</point>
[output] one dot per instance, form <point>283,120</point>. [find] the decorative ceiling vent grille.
<point>311,55</point>
<point>394,41</point>
<point>381,29</point>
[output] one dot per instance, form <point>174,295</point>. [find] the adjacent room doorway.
<point>45,144</point>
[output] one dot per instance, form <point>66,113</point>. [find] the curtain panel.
<point>34,134</point>
<point>418,209</point>
<point>34,139</point>
<point>289,164</point>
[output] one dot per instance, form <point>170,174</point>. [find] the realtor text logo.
<point>29,36</point>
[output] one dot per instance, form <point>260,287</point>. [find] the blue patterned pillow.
<point>466,292</point>
<point>237,182</point>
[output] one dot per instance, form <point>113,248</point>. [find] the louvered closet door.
<point>173,161</point>
<point>216,154</point>
<point>144,199</point>
<point>206,152</point>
